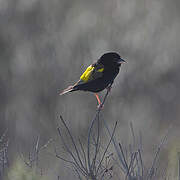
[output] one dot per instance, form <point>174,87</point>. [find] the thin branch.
<point>116,147</point>
<point>84,155</point>
<point>71,162</point>
<point>93,166</point>
<point>141,162</point>
<point>90,130</point>
<point>149,175</point>
<point>78,174</point>
<point>46,144</point>
<point>73,142</point>
<point>69,151</point>
<point>133,135</point>
<point>120,146</point>
<point>138,166</point>
<point>107,146</point>
<point>3,136</point>
<point>133,155</point>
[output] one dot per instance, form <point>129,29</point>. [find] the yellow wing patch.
<point>100,70</point>
<point>91,73</point>
<point>86,75</point>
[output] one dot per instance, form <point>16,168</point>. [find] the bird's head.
<point>111,59</point>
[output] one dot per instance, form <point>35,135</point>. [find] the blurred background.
<point>46,45</point>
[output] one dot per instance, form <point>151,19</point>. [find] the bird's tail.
<point>69,89</point>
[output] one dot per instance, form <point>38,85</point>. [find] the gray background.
<point>46,45</point>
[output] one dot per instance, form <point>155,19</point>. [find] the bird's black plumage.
<point>99,75</point>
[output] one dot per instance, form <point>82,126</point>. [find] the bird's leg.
<point>98,99</point>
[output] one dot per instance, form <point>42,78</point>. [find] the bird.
<point>99,75</point>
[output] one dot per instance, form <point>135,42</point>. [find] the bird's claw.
<point>100,106</point>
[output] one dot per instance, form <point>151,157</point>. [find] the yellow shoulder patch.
<point>86,75</point>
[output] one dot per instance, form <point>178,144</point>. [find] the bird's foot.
<point>100,106</point>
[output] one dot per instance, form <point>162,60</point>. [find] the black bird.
<point>99,75</point>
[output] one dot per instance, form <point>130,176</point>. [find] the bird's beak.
<point>121,61</point>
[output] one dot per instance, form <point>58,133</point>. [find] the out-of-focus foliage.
<point>19,171</point>
<point>173,160</point>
